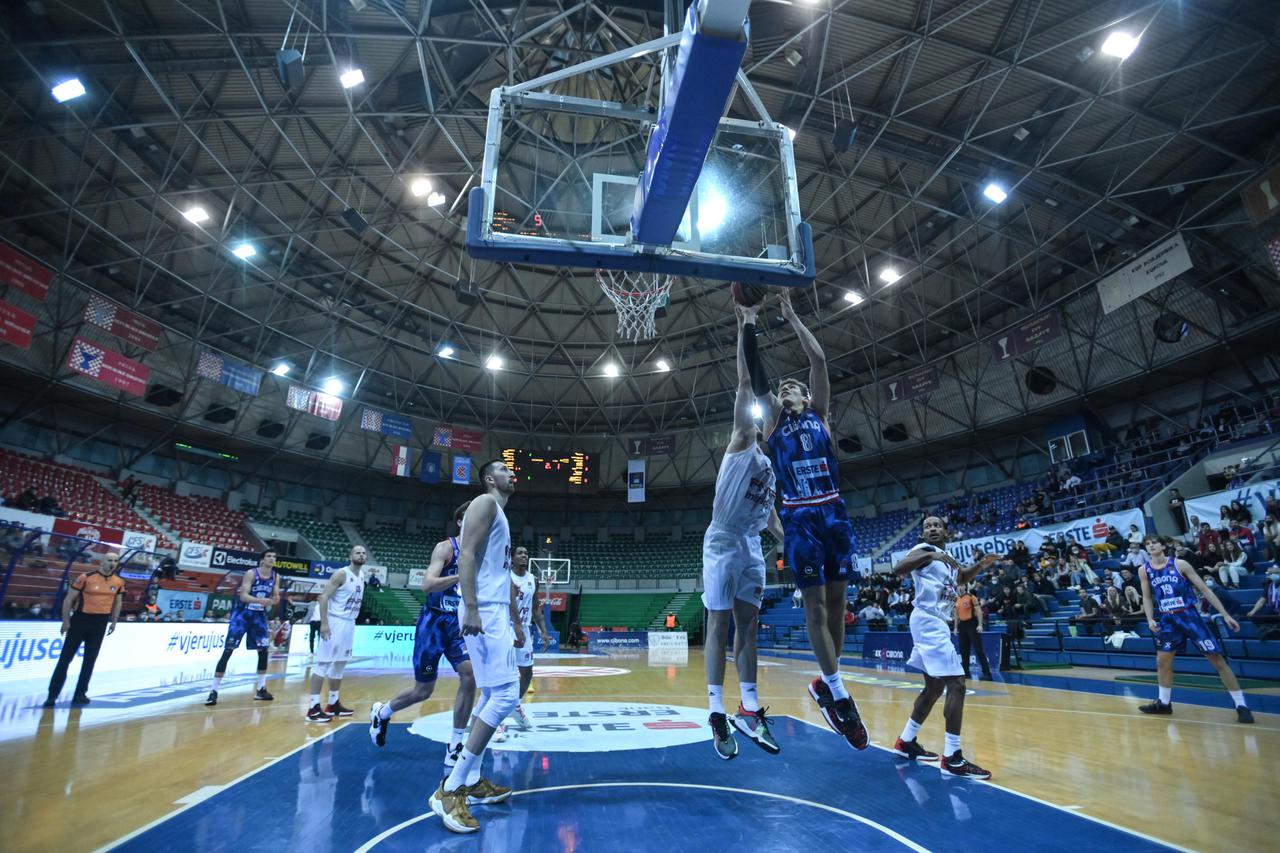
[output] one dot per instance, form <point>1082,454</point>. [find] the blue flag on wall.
<point>430,468</point>
<point>462,470</point>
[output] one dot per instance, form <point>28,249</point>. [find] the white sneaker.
<point>522,718</point>
<point>377,725</point>
<point>500,736</point>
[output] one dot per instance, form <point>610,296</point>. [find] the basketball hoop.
<point>637,298</point>
<point>549,576</point>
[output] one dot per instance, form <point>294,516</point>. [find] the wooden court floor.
<point>78,780</point>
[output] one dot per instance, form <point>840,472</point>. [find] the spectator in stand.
<point>1207,536</point>
<point>1224,518</point>
<point>1133,613</point>
<point>1020,556</point>
<point>1080,568</point>
<point>1128,579</point>
<point>1233,565</point>
<point>1192,536</point>
<point>1030,604</point>
<point>1044,590</point>
<point>1090,614</point>
<point>48,505</point>
<point>1211,559</point>
<point>1178,510</point>
<point>873,617</point>
<point>1134,556</point>
<point>796,599</point>
<point>1266,610</point>
<point>129,490</point>
<point>1134,536</point>
<point>1114,608</point>
<point>1229,604</point>
<point>28,500</point>
<point>1191,557</point>
<point>1270,530</point>
<point>900,603</point>
<point>1061,576</point>
<point>1241,515</point>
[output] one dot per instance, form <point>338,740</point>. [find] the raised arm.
<point>744,427</point>
<point>968,574</point>
<point>475,533</point>
<point>819,383</point>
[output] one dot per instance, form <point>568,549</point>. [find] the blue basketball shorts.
<point>251,622</point>
<point>437,634</point>
<point>1177,628</point>
<point>819,543</point>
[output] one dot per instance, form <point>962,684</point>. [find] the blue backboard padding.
<point>513,249</point>
<point>696,94</point>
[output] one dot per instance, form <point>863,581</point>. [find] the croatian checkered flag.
<point>442,437</point>
<point>86,359</point>
<point>1273,252</point>
<point>209,366</point>
<point>100,312</point>
<point>371,419</point>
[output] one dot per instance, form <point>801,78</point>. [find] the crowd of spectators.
<point>30,500</point>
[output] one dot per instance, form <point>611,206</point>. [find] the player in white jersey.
<point>733,566</point>
<point>526,609</point>
<point>339,606</point>
<point>937,576</point>
<point>484,579</point>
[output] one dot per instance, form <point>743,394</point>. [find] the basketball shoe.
<point>377,725</point>
<point>851,723</point>
<point>1243,714</point>
<point>721,738</point>
<point>522,719</point>
<point>451,808</point>
<point>821,694</point>
<point>500,734</point>
<point>318,715</point>
<point>451,756</point>
<point>212,700</point>
<point>1156,707</point>
<point>755,725</point>
<point>261,695</point>
<point>486,793</point>
<point>337,709</point>
<point>913,750</point>
<point>955,765</point>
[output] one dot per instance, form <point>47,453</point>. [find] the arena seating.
<point>329,539</point>
<point>632,612</point>
<point>622,558</point>
<point>400,551</point>
<point>201,519</point>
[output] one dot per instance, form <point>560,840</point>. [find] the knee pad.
<point>501,702</point>
<point>336,669</point>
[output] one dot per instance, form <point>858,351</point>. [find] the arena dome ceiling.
<point>356,277</point>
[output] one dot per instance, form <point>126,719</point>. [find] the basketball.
<point>747,295</point>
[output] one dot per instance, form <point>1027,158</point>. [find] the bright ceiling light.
<point>281,369</point>
<point>435,199</point>
<point>244,251</point>
<point>712,211</point>
<point>197,214</point>
<point>756,412</point>
<point>333,385</point>
<point>889,275</point>
<point>1120,44</point>
<point>420,187</point>
<point>445,351</point>
<point>67,90</point>
<point>611,370</point>
<point>663,365</point>
<point>351,77</point>
<point>995,192</point>
<point>493,362</point>
<point>853,298</point>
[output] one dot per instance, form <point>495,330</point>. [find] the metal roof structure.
<point>356,277</point>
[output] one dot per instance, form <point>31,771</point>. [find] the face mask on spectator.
<point>1275,576</point>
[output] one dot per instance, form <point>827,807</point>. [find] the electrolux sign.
<point>225,558</point>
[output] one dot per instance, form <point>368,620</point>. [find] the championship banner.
<point>455,438</point>
<point>187,606</point>
<point>108,367</point>
<point>295,566</point>
<point>85,530</point>
<point>315,403</point>
<point>385,423</point>
<point>401,460</point>
<point>430,472</point>
<point>16,326</point>
<point>235,375</point>
<point>1253,497</point>
<point>462,470</point>
<point>1027,337</point>
<point>1166,261</point>
<point>653,445</point>
<point>29,276</point>
<point>121,322</point>
<point>1086,531</point>
<point>913,384</point>
<point>635,481</point>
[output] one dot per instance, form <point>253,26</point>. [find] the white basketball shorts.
<point>932,649</point>
<point>342,635</point>
<point>493,653</point>
<point>732,569</point>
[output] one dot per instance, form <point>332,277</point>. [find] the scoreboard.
<point>559,472</point>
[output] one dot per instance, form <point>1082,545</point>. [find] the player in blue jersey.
<point>259,590</point>
<point>1170,592</point>
<point>818,538</point>
<point>436,634</point>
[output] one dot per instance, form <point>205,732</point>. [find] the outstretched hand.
<point>788,310</point>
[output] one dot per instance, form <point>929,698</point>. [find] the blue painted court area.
<point>341,793</point>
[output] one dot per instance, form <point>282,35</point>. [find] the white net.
<point>637,298</point>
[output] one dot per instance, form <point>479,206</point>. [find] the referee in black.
<point>89,613</point>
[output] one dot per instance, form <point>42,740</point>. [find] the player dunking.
<point>733,564</point>
<point>484,576</point>
<point>819,537</point>
<point>1169,591</point>
<point>339,606</point>
<point>259,589</point>
<point>437,634</point>
<point>937,576</point>
<point>528,609</point>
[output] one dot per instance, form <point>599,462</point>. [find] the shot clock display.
<point>558,472</point>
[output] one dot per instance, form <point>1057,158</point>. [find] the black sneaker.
<point>263,696</point>
<point>1243,714</point>
<point>913,750</point>
<point>79,699</point>
<point>821,694</point>
<point>337,709</point>
<point>955,765</point>
<point>722,738</point>
<point>851,723</point>
<point>317,715</point>
<point>1156,707</point>
<point>212,700</point>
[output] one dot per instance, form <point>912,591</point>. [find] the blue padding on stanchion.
<point>696,96</point>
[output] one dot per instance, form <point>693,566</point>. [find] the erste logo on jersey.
<point>588,727</point>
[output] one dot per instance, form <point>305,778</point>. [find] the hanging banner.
<point>121,322</point>
<point>1087,531</point>
<point>1164,262</point>
<point>16,326</point>
<point>1273,252</point>
<point>1253,497</point>
<point>653,445</point>
<point>29,276</point>
<point>1027,337</point>
<point>635,481</point>
<point>913,384</point>
<point>315,403</point>
<point>455,438</point>
<point>430,472</point>
<point>386,423</point>
<point>462,470</point>
<point>234,374</point>
<point>108,367</point>
<point>401,460</point>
